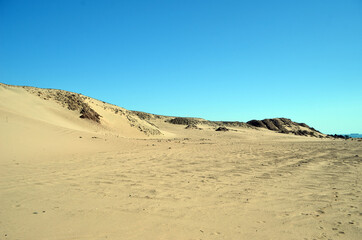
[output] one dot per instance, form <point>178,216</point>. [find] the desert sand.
<point>126,177</point>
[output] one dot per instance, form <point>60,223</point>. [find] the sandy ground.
<point>60,180</point>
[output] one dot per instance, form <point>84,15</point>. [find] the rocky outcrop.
<point>88,113</point>
<point>222,129</point>
<point>183,121</point>
<point>285,125</point>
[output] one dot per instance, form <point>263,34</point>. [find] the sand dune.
<point>137,176</point>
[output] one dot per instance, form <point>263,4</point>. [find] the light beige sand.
<point>117,183</point>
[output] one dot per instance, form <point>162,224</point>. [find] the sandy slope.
<point>115,182</point>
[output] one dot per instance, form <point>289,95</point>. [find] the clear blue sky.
<point>219,60</point>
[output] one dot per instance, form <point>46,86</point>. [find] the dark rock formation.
<point>257,123</point>
<point>75,103</point>
<point>222,129</point>
<point>88,113</point>
<point>285,125</point>
<point>183,121</point>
